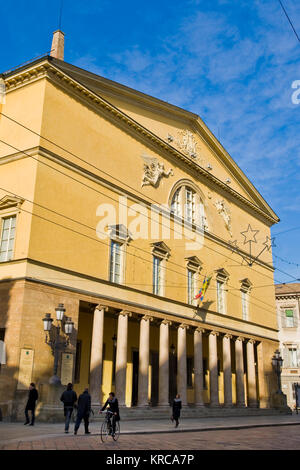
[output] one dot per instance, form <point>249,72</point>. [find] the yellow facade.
<point>74,142</point>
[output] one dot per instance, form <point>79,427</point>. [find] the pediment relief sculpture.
<point>154,171</point>
<point>225,213</point>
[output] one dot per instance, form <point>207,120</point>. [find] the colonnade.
<point>163,375</point>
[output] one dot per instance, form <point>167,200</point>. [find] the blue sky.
<point>232,62</point>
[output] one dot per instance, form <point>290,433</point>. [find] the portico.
<point>205,372</point>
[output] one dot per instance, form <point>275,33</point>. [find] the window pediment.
<point>222,275</point>
<point>246,284</point>
<point>161,250</point>
<point>8,202</point>
<point>194,263</point>
<point>119,233</point>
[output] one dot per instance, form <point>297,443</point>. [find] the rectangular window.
<point>191,286</point>
<point>293,361</point>
<point>175,206</point>
<point>220,297</point>
<point>157,275</point>
<point>7,238</point>
<point>289,318</point>
<point>245,305</point>
<point>190,205</point>
<point>115,262</point>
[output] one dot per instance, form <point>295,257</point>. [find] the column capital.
<point>166,322</point>
<point>199,330</point>
<point>227,335</point>
<point>213,333</point>
<point>125,313</point>
<point>101,307</point>
<point>184,326</point>
<point>252,341</point>
<point>240,338</point>
<point>147,318</point>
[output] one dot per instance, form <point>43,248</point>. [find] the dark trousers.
<point>32,409</point>
<point>81,417</point>
<point>68,413</point>
<point>113,424</point>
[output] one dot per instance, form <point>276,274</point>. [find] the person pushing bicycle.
<point>113,406</point>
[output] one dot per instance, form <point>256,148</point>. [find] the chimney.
<point>58,42</point>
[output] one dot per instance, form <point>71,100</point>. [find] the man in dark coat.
<point>176,410</point>
<point>31,402</point>
<point>113,406</point>
<point>83,411</point>
<point>68,398</point>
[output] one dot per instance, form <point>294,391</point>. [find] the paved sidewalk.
<point>17,432</point>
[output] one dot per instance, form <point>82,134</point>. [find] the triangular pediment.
<point>153,118</point>
<point>10,201</point>
<point>222,273</point>
<point>160,248</point>
<point>190,132</point>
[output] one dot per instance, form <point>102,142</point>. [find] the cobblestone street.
<point>268,438</point>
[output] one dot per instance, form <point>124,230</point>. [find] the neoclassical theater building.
<point>118,205</point>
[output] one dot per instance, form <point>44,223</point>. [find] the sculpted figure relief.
<point>188,143</point>
<point>153,171</point>
<point>224,211</point>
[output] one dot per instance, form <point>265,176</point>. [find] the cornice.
<point>51,72</point>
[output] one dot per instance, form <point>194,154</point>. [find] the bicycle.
<point>106,427</point>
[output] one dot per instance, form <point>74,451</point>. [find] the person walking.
<point>68,398</point>
<point>113,406</point>
<point>31,402</point>
<point>83,411</point>
<point>176,409</point>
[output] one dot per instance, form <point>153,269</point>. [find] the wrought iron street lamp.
<point>277,362</point>
<point>53,337</point>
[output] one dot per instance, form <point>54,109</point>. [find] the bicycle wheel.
<point>117,433</point>
<point>104,431</point>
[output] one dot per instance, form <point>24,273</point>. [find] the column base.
<point>228,405</point>
<point>241,405</point>
<point>199,405</point>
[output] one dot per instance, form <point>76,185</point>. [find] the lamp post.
<point>54,339</point>
<point>277,362</point>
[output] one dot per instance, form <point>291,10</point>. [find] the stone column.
<point>181,358</point>
<point>121,356</point>
<point>227,370</point>
<point>144,361</point>
<point>198,366</point>
<point>97,355</point>
<point>163,392</point>
<point>252,396</point>
<point>213,369</point>
<point>239,367</point>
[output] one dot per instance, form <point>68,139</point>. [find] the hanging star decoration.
<point>250,237</point>
<point>269,243</point>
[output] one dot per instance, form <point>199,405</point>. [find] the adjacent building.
<point>119,205</point>
<point>288,302</point>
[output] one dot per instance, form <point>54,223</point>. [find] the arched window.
<point>186,202</point>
